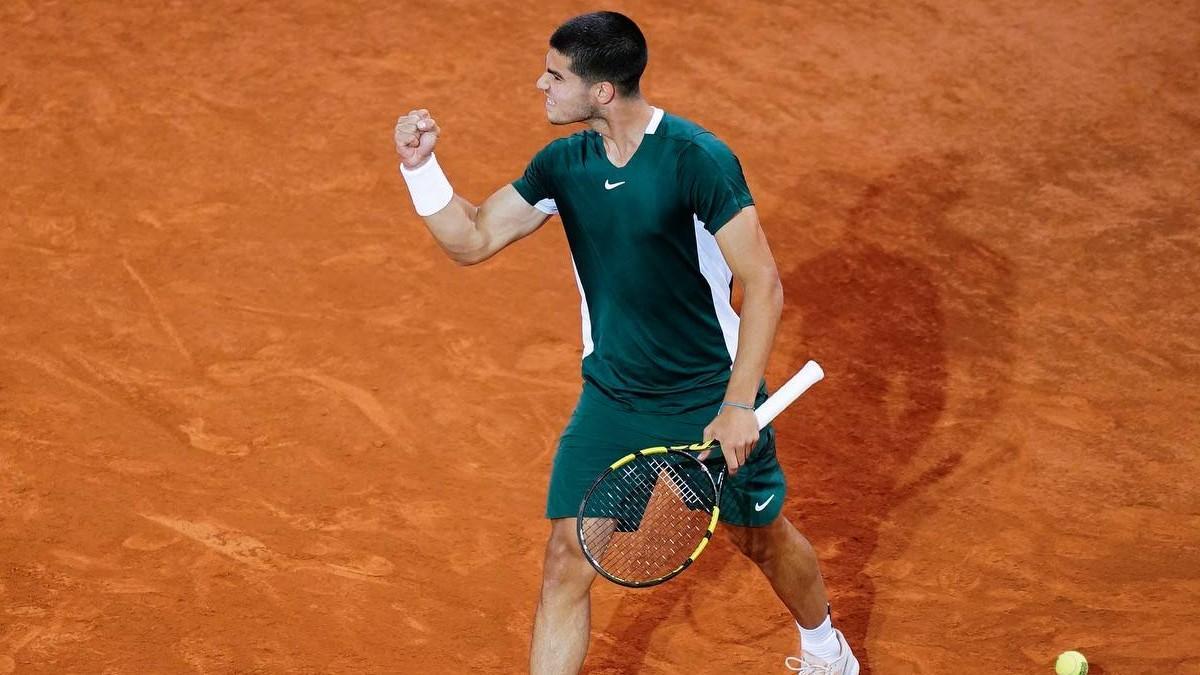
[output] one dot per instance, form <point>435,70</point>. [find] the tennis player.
<point>660,222</point>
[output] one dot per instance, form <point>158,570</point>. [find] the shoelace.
<point>803,667</point>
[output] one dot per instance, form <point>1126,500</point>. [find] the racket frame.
<point>682,450</point>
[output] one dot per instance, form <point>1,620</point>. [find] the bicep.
<point>744,246</point>
<point>504,218</point>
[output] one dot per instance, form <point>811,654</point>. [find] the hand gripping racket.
<point>650,515</point>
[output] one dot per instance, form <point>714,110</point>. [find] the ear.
<point>604,92</point>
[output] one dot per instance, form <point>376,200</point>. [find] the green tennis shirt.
<point>659,332</point>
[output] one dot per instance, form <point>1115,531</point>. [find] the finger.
<point>750,447</point>
<point>405,141</point>
<point>731,460</point>
<point>428,125</point>
<point>403,135</point>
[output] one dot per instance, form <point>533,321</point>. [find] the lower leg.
<point>790,564</point>
<point>562,624</point>
<point>560,633</point>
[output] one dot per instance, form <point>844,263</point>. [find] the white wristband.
<point>428,186</point>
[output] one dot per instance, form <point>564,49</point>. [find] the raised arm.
<point>469,234</point>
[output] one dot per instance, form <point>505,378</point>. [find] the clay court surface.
<point>252,419</point>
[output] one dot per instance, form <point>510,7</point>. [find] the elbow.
<point>475,251</point>
<point>465,256</point>
<point>765,291</point>
<point>772,286</point>
<point>770,290</point>
<point>469,258</point>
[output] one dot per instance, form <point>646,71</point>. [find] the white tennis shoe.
<point>807,664</point>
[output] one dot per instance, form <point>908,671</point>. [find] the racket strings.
<point>646,518</point>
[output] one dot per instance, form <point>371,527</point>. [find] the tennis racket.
<point>652,513</point>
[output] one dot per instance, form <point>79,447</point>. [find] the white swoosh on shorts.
<point>760,507</point>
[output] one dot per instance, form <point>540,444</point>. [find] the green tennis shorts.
<point>600,432</point>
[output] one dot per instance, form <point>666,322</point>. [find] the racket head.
<point>649,515</point>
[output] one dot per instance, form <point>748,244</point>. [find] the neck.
<point>623,124</point>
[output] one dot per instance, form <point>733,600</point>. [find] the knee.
<point>762,544</point>
<point>757,548</point>
<point>565,568</point>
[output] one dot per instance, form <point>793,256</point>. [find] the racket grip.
<point>809,375</point>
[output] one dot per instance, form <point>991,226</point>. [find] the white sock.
<point>821,641</point>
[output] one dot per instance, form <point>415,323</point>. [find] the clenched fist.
<point>416,134</point>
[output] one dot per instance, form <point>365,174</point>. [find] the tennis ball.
<point>1071,663</point>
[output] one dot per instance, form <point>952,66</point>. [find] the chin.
<point>559,117</point>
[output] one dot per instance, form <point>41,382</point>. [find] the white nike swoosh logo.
<point>609,186</point>
<point>760,507</point>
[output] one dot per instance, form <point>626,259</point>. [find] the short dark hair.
<point>604,47</point>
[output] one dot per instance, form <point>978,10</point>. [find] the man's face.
<point>568,98</point>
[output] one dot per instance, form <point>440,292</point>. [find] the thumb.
<point>708,437</point>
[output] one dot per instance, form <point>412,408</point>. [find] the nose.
<point>541,83</point>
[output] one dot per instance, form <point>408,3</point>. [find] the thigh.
<point>598,434</point>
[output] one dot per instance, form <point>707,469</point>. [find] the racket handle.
<point>809,375</point>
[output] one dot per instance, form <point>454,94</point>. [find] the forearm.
<point>451,219</point>
<point>762,304</point>
<point>455,228</point>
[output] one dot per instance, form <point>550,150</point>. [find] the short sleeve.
<point>536,184</point>
<point>712,181</point>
